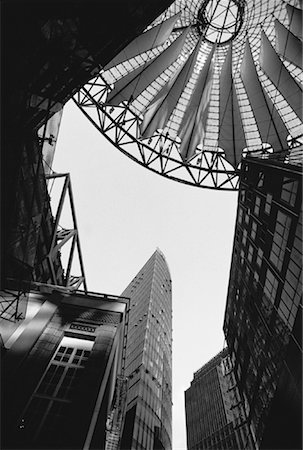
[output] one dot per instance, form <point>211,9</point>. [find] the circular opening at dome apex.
<point>220,20</point>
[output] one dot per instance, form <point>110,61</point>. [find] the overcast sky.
<point>124,212</point>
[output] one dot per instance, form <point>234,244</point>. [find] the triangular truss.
<point>63,238</point>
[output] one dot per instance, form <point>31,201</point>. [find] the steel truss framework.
<point>13,302</point>
<point>9,305</point>
<point>62,236</point>
<point>209,165</point>
<point>159,153</point>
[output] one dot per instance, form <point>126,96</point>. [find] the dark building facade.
<point>59,45</point>
<point>215,418</point>
<point>263,317</point>
<point>60,369</point>
<point>148,362</point>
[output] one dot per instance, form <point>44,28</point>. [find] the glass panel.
<point>289,191</point>
<point>268,203</point>
<point>50,380</point>
<point>280,239</point>
<point>257,206</point>
<point>271,285</point>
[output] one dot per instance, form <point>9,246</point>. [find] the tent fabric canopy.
<point>146,41</point>
<point>274,68</point>
<point>231,134</point>
<point>204,85</point>
<point>270,125</point>
<point>131,85</point>
<point>295,20</point>
<point>288,45</point>
<point>167,106</point>
<point>159,110</point>
<point>192,128</point>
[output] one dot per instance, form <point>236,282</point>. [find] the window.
<point>259,257</point>
<point>250,253</point>
<point>289,190</point>
<point>237,234</point>
<point>283,312</point>
<point>268,202</point>
<point>280,239</point>
<point>261,179</point>
<point>256,277</point>
<point>271,285</point>
<point>257,205</point>
<point>244,237</point>
<point>50,380</point>
<point>253,232</point>
<point>240,215</point>
<point>63,354</point>
<point>237,294</point>
<point>247,216</point>
<point>242,256</point>
<point>289,303</point>
<point>56,387</point>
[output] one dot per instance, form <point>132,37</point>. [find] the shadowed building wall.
<point>60,369</point>
<point>263,317</point>
<point>50,49</point>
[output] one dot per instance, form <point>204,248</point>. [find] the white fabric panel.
<point>192,128</point>
<point>295,20</point>
<point>288,45</point>
<point>130,86</point>
<point>159,110</point>
<point>279,75</point>
<point>146,41</point>
<point>271,127</point>
<point>231,133</point>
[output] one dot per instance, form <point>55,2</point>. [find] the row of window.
<point>288,191</point>
<point>56,388</point>
<point>277,253</point>
<point>288,195</point>
<point>280,239</point>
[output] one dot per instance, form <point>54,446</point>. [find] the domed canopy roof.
<point>208,82</point>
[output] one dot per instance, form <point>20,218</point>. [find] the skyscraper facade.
<point>263,317</point>
<point>215,418</point>
<point>148,362</point>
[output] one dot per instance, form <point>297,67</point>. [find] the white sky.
<point>124,212</point>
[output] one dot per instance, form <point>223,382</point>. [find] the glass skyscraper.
<point>148,362</point>
<point>263,317</point>
<point>215,418</point>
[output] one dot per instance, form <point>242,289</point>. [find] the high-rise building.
<point>215,418</point>
<point>60,368</point>
<point>148,362</point>
<point>263,317</point>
